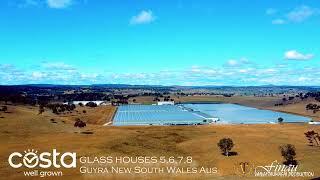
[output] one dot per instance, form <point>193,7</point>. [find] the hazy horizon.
<point>204,86</point>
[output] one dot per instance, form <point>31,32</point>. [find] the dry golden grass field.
<point>23,128</point>
<point>298,108</point>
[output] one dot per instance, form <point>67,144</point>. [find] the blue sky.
<point>176,42</point>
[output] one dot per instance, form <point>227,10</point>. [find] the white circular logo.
<point>30,160</point>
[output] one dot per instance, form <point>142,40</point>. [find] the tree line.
<point>314,107</point>
<point>57,108</point>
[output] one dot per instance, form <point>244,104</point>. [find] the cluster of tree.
<point>315,95</point>
<point>291,98</point>
<point>84,96</point>
<point>57,108</point>
<point>165,98</point>
<point>288,152</point>
<point>19,94</point>
<point>119,102</point>
<point>299,95</point>
<point>151,94</point>
<point>33,99</point>
<point>91,104</point>
<point>313,138</point>
<point>313,107</point>
<point>121,98</point>
<point>168,98</point>
<point>18,99</point>
<point>227,95</point>
<point>79,123</point>
<point>131,95</point>
<point>181,93</point>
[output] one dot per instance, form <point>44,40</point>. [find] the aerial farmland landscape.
<point>51,124</point>
<point>159,89</point>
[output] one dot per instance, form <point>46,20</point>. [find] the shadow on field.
<point>231,154</point>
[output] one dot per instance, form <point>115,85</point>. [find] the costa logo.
<point>31,159</point>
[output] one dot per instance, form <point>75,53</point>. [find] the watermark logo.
<point>273,169</point>
<point>276,169</point>
<point>31,159</point>
<point>243,168</point>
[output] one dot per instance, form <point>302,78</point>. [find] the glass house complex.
<point>159,115</point>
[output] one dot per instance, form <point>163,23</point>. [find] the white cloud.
<point>31,3</point>
<point>271,11</point>
<point>59,4</point>
<point>236,63</point>
<point>301,13</point>
<point>89,76</point>
<point>270,70</point>
<point>245,61</point>
<point>303,79</point>
<point>195,69</point>
<point>58,66</point>
<point>202,70</point>
<point>144,17</point>
<point>232,62</point>
<point>295,55</point>
<point>37,75</point>
<point>243,71</point>
<point>27,3</point>
<point>4,67</point>
<point>244,74</point>
<point>297,15</point>
<point>56,4</point>
<point>278,21</point>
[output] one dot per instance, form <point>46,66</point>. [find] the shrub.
<point>79,123</point>
<point>41,109</point>
<point>91,104</point>
<point>84,111</point>
<point>280,120</point>
<point>225,145</point>
<point>72,107</point>
<point>289,154</point>
<point>313,138</point>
